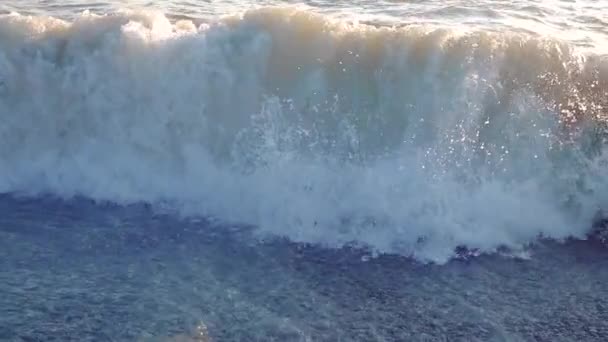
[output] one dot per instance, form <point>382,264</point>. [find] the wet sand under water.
<point>76,271</point>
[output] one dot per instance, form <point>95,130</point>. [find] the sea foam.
<point>412,140</point>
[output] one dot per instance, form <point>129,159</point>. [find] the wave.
<point>410,140</point>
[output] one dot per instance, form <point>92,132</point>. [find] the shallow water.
<point>75,271</point>
<point>347,170</point>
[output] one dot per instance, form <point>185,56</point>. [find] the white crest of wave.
<point>406,140</point>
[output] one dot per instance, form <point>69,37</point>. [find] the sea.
<point>348,170</point>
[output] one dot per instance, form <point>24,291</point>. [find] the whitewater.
<point>409,139</point>
<point>182,170</point>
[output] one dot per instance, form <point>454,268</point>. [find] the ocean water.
<point>277,170</point>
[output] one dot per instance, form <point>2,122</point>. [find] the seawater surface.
<point>351,170</point>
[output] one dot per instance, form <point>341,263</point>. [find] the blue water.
<point>334,171</point>
<point>79,271</point>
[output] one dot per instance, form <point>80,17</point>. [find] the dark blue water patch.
<point>76,270</point>
<point>87,225</point>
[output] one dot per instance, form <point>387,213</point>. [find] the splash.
<point>405,140</point>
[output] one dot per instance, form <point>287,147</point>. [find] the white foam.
<point>405,140</point>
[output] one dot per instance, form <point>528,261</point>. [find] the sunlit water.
<point>341,170</point>
<point>582,22</point>
<point>408,128</point>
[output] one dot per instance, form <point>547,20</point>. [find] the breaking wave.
<point>411,140</point>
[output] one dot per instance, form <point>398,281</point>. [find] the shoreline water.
<point>341,171</point>
<point>73,271</point>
